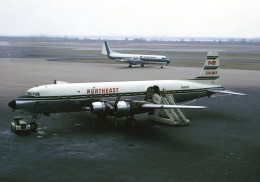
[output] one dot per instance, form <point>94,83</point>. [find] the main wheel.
<point>142,65</point>
<point>129,66</point>
<point>33,126</point>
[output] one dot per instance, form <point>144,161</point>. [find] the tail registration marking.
<point>211,73</point>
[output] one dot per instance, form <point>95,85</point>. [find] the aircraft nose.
<point>12,104</point>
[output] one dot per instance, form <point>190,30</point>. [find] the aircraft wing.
<point>130,60</point>
<point>227,92</point>
<point>163,106</point>
<point>154,62</point>
<point>137,60</point>
<point>132,107</point>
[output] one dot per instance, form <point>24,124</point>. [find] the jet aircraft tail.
<point>210,72</point>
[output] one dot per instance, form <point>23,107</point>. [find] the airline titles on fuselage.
<point>102,90</point>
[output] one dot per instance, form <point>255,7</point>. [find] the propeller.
<point>92,98</point>
<point>115,106</point>
<point>91,114</point>
<point>117,99</point>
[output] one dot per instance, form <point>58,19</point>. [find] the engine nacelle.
<point>98,108</point>
<point>122,108</point>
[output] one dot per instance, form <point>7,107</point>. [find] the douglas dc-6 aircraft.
<point>134,59</point>
<point>72,97</point>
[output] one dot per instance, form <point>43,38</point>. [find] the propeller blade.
<point>117,99</point>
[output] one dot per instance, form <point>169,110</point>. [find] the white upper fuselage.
<point>74,89</point>
<point>137,56</point>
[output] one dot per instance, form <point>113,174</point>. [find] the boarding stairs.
<point>173,117</point>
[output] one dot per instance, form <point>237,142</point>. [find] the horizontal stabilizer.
<point>228,92</point>
<point>163,106</point>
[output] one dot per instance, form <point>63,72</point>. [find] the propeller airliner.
<point>74,97</point>
<point>134,59</point>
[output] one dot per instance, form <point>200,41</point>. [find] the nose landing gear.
<point>33,123</point>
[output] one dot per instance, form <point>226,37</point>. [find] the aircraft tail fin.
<point>210,75</point>
<point>210,71</point>
<point>105,49</point>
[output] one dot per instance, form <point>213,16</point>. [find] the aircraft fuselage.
<point>74,97</point>
<point>142,58</point>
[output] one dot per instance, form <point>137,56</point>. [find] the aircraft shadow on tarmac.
<point>146,132</point>
<point>85,123</point>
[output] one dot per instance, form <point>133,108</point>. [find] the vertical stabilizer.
<point>210,71</point>
<point>105,49</point>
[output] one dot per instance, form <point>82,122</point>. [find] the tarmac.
<point>67,52</point>
<point>221,144</point>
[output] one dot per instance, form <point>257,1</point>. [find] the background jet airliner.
<point>72,97</point>
<point>134,59</point>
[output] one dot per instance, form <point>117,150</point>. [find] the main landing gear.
<point>131,122</point>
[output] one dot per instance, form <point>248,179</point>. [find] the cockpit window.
<point>28,93</point>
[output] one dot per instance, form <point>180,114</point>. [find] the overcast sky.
<point>161,18</point>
